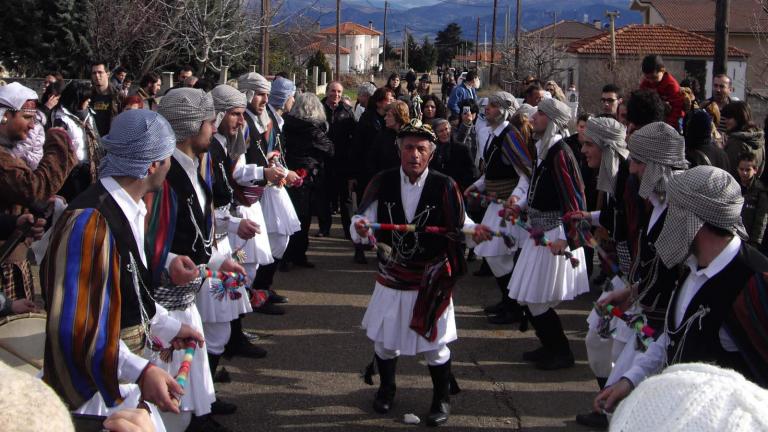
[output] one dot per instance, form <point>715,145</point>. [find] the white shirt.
<point>191,167</point>
<point>521,189</point>
<point>658,210</point>
<point>410,194</point>
<point>483,133</point>
<point>654,358</point>
<point>165,328</point>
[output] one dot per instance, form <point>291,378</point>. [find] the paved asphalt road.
<point>310,380</point>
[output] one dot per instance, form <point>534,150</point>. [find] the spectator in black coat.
<point>699,148</point>
<point>384,154</point>
<point>341,128</point>
<point>306,147</point>
<point>451,158</point>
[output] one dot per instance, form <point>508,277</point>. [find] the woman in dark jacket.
<point>743,136</point>
<point>384,154</point>
<point>699,148</point>
<point>393,83</point>
<point>306,147</point>
<point>451,158</point>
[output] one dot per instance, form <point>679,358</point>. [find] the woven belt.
<point>501,188</point>
<point>544,220</point>
<point>133,338</point>
<point>177,297</point>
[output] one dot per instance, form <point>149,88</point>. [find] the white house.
<point>362,44</point>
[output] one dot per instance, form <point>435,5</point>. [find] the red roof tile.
<point>350,28</point>
<point>484,56</point>
<point>639,39</point>
<point>699,15</point>
<point>326,48</point>
<point>566,29</point>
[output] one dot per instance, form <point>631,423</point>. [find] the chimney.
<point>598,24</point>
<point>370,25</point>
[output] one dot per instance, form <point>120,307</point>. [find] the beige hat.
<point>28,405</point>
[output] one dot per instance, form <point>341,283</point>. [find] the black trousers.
<point>301,197</point>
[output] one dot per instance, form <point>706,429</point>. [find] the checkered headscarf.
<point>136,139</point>
<point>704,194</point>
<point>186,109</point>
<point>609,135</point>
<point>225,97</point>
<point>662,150</point>
<point>559,114</point>
<point>251,83</point>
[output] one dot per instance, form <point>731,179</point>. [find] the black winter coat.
<point>306,145</point>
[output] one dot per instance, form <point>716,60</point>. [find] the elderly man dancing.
<point>411,310</point>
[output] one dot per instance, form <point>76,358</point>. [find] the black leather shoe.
<point>382,403</point>
<point>494,309</point>
<point>270,309</point>
<point>221,407</point>
<point>360,256</point>
<point>206,423</point>
<point>593,420</point>
<point>536,355</point>
<point>505,317</point>
<point>284,266</point>
<point>247,349</point>
<point>274,297</point>
<point>251,335</point>
<point>305,264</point>
<point>438,413</point>
<point>222,376</point>
<point>556,361</point>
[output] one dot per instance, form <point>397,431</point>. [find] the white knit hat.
<point>28,405</point>
<point>694,397</point>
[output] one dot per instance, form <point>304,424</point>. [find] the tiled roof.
<point>639,39</point>
<point>566,30</point>
<point>350,28</point>
<point>484,56</point>
<point>699,15</point>
<point>326,48</point>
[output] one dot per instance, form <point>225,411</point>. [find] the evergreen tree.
<point>447,42</point>
<point>321,62</point>
<point>63,41</point>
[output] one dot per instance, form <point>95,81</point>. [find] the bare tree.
<point>117,26</point>
<point>759,27</point>
<point>540,55</point>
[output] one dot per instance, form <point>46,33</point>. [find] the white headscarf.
<point>609,135</point>
<point>13,97</point>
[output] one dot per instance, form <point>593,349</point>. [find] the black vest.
<point>543,195</point>
<point>97,197</point>
<point>496,168</point>
<point>257,146</point>
<point>702,342</point>
<point>223,194</point>
<point>613,215</point>
<point>185,239</point>
<point>390,209</point>
<point>655,297</point>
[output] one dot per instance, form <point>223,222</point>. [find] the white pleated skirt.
<point>388,317</point>
<point>623,362</point>
<point>496,246</point>
<point>131,396</point>
<point>257,249</point>
<point>198,393</point>
<point>541,277</point>
<point>278,211</point>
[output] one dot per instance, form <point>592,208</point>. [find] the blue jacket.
<point>458,94</point>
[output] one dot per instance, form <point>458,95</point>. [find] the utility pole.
<point>612,17</point>
<point>506,25</point>
<point>722,15</point>
<point>517,40</point>
<point>493,41</point>
<point>337,75</point>
<point>265,37</point>
<point>384,57</point>
<point>405,46</point>
<point>477,44</point>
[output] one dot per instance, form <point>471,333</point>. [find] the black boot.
<point>541,352</point>
<point>205,423</point>
<point>484,270</point>
<point>441,389</point>
<point>219,407</point>
<point>557,349</point>
<point>386,393</point>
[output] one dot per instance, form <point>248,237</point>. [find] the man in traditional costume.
<point>22,185</point>
<point>218,313</point>
<point>542,278</point>
<point>191,114</point>
<point>97,267</point>
<point>508,160</point>
<point>657,152</point>
<point>715,314</point>
<point>411,310</point>
<point>604,149</point>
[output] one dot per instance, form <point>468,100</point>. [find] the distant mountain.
<point>427,17</point>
